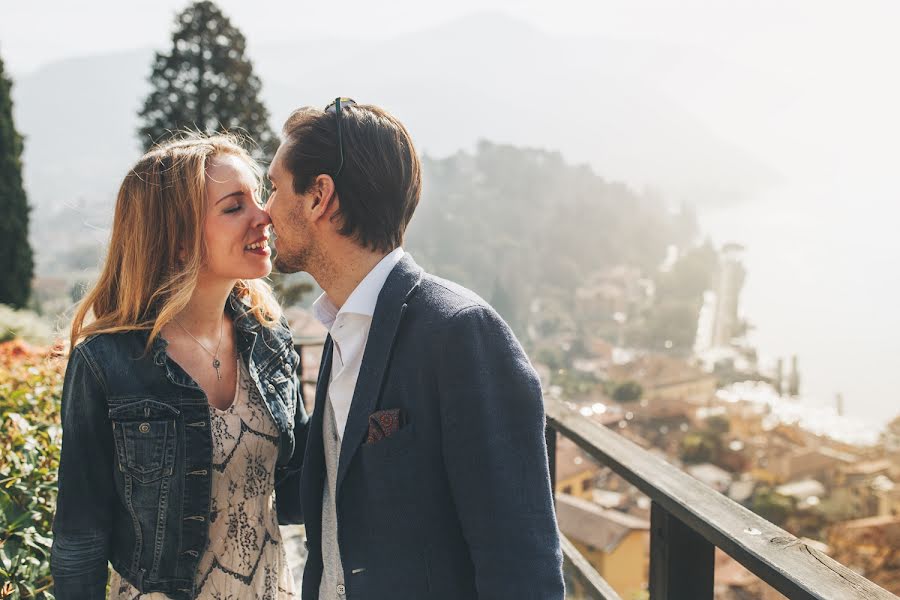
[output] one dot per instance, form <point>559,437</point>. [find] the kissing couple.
<point>422,471</point>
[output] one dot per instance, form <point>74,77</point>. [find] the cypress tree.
<point>15,253</point>
<point>206,83</point>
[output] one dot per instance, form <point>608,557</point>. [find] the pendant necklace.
<point>215,355</point>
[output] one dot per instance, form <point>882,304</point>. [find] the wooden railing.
<point>688,520</point>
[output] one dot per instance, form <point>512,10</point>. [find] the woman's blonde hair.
<point>156,248</point>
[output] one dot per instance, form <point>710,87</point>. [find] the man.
<point>425,474</point>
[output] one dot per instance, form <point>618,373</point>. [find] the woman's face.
<point>236,228</point>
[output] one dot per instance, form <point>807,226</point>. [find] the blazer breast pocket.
<point>388,471</point>
<point>398,444</point>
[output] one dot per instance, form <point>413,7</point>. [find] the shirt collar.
<point>364,297</point>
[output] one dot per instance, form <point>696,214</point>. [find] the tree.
<point>503,303</point>
<point>718,425</point>
<point>289,288</point>
<point>206,83</point>
<point>629,391</point>
<point>700,447</point>
<point>15,252</point>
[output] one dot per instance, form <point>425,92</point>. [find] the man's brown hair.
<point>380,181</point>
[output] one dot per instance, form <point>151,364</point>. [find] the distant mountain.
<point>486,76</point>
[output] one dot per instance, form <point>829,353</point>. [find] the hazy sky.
<point>814,92</point>
<point>817,63</point>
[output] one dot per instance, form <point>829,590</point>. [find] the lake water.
<point>823,283</point>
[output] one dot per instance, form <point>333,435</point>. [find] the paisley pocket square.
<point>384,424</point>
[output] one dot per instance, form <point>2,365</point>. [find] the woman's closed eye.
<point>239,204</point>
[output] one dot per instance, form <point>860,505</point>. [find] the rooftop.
<point>590,524</point>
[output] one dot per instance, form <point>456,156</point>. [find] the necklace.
<point>215,363</point>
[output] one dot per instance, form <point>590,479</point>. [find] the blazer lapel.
<point>313,472</point>
<point>399,286</point>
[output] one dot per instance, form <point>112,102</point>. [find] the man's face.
<point>294,236</point>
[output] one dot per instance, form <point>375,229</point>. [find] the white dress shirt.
<point>349,329</point>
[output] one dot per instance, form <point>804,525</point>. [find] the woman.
<point>182,422</point>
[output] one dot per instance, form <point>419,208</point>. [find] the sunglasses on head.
<point>335,107</point>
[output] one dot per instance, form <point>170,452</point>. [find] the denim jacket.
<point>136,464</point>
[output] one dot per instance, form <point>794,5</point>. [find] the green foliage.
<point>23,324</point>
<point>574,383</point>
<point>206,83</point>
<point>505,304</point>
<point>552,356</point>
<point>668,326</point>
<point>671,324</point>
<point>771,506</point>
<point>629,391</point>
<point>690,276</point>
<point>718,424</point>
<point>700,447</point>
<point>523,227</point>
<point>15,252</point>
<point>289,288</point>
<point>30,388</point>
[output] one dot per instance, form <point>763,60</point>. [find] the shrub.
<point>700,447</point>
<point>629,391</point>
<point>30,389</point>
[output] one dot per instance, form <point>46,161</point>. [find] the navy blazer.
<point>457,504</point>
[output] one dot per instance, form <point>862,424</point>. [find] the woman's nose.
<point>262,219</point>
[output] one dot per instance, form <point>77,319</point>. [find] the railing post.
<point>682,562</point>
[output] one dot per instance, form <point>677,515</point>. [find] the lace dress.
<point>245,557</point>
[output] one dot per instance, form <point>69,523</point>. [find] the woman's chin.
<point>262,270</point>
<point>256,271</point>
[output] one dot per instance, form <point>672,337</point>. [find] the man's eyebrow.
<point>235,193</point>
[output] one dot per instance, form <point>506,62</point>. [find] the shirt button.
<point>341,589</point>
<point>270,387</point>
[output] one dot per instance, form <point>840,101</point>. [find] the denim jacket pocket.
<point>144,432</point>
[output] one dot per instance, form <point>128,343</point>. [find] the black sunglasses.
<point>336,108</point>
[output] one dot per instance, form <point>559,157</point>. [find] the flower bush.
<point>30,390</point>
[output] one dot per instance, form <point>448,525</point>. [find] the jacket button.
<point>270,387</point>
<point>144,427</point>
<point>341,589</point>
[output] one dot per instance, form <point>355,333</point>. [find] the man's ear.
<point>325,201</point>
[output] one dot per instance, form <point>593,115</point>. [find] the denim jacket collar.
<point>247,329</point>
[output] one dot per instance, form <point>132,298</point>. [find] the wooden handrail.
<point>775,556</point>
